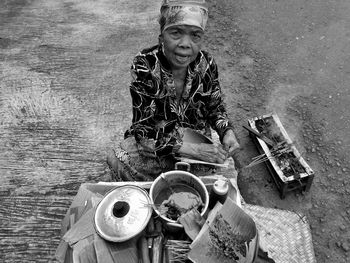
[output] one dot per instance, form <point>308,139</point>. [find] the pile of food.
<point>226,241</point>
<point>177,200</point>
<point>281,151</point>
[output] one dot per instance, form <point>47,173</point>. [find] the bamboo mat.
<point>285,235</point>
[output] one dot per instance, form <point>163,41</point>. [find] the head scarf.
<point>183,12</point>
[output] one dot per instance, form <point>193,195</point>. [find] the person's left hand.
<point>230,143</point>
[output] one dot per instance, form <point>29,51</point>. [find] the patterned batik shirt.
<point>158,118</point>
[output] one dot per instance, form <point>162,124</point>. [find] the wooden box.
<point>289,170</point>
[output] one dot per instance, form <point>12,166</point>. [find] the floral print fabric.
<point>158,118</point>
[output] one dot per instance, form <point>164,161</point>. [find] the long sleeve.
<point>152,130</point>
<point>158,118</point>
<point>217,115</point>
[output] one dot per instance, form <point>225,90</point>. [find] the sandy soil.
<point>64,74</point>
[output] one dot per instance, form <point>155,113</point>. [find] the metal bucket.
<point>123,213</point>
<point>163,181</point>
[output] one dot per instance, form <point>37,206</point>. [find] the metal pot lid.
<point>123,213</point>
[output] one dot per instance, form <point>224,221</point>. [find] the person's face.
<point>181,44</point>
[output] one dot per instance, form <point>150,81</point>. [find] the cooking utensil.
<point>122,213</point>
<point>176,177</point>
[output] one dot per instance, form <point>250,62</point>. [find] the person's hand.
<point>211,153</point>
<point>204,151</point>
<point>230,143</point>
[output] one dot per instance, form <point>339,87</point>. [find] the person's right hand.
<point>204,151</point>
<point>211,153</point>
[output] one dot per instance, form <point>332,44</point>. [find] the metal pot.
<point>123,213</point>
<point>164,180</point>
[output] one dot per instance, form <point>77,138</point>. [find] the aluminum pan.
<point>118,225</point>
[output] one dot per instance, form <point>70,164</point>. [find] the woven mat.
<point>285,235</point>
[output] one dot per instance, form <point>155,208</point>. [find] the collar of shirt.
<point>167,78</point>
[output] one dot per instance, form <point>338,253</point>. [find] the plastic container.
<point>218,193</point>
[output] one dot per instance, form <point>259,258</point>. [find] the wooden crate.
<point>284,182</point>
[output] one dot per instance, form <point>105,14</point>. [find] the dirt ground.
<point>64,100</point>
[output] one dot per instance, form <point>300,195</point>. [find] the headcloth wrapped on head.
<point>183,12</point>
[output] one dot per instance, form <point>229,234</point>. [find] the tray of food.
<point>287,167</point>
<point>155,221</point>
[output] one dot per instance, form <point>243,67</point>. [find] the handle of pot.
<point>186,166</point>
<point>173,227</point>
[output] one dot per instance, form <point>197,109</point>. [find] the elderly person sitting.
<point>174,86</point>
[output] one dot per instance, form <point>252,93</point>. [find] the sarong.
<point>135,164</point>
